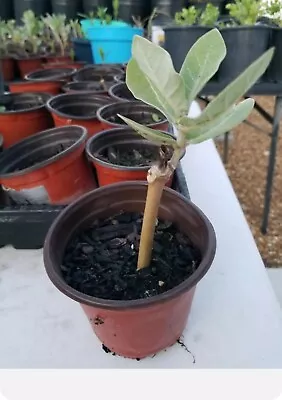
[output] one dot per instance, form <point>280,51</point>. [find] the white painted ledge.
<point>235,319</point>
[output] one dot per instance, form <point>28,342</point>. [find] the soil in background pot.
<point>22,115</point>
<point>95,87</point>
<point>90,73</point>
<point>144,326</point>
<point>42,169</point>
<point>120,155</point>
<point>135,110</point>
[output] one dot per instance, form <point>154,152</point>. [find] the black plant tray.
<point>26,226</point>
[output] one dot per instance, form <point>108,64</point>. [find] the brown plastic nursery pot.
<point>90,73</point>
<point>63,74</point>
<point>122,138</point>
<point>77,109</point>
<point>135,110</point>
<point>143,327</point>
<point>70,64</point>
<point>58,59</point>
<point>120,92</point>
<point>48,168</point>
<point>27,65</point>
<point>51,87</point>
<point>8,68</point>
<point>24,115</point>
<point>85,86</point>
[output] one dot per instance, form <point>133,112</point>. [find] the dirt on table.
<point>247,169</point>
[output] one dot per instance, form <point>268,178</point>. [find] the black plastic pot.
<point>121,92</point>
<point>91,73</point>
<point>135,110</point>
<point>39,7</point>
<point>274,71</point>
<point>92,5</point>
<point>244,45</point>
<point>85,86</point>
<point>51,74</point>
<point>120,78</point>
<point>82,50</point>
<point>179,40</point>
<point>70,8</point>
<point>136,8</point>
<point>6,10</point>
<point>166,9</point>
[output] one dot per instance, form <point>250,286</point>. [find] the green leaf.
<point>152,135</point>
<point>223,124</point>
<point>237,88</point>
<point>202,62</point>
<point>151,78</point>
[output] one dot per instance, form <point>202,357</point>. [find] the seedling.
<point>245,12</point>
<point>209,16</point>
<point>188,16</point>
<point>152,79</point>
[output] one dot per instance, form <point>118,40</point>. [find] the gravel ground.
<point>246,167</point>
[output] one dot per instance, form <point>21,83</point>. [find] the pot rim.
<point>60,75</point>
<point>69,116</point>
<point>114,96</point>
<point>36,137</point>
<point>132,102</point>
<point>35,108</point>
<point>185,27</point>
<point>122,305</point>
<point>29,82</point>
<point>116,131</point>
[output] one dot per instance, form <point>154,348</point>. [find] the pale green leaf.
<point>166,85</point>
<point>237,88</point>
<point>223,124</point>
<point>202,62</point>
<point>152,135</point>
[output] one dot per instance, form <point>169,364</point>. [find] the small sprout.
<point>2,109</point>
<point>156,117</point>
<point>245,12</point>
<point>188,16</point>
<point>161,283</point>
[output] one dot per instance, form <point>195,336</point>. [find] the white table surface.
<point>235,319</point>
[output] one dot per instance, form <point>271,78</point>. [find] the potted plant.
<point>22,115</point>
<point>108,115</point>
<point>28,45</point>
<point>201,4</point>
<point>244,32</point>
<point>272,11</point>
<point>111,39</point>
<point>139,272</point>
<point>77,109</point>
<point>120,155</point>
<point>7,65</point>
<point>81,45</point>
<point>189,25</point>
<point>40,168</point>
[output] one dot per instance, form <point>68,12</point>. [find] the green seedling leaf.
<point>2,109</point>
<point>152,135</point>
<point>237,88</point>
<point>223,124</point>
<point>202,62</point>
<point>156,117</point>
<point>164,87</point>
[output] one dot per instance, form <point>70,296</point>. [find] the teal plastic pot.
<point>86,24</point>
<point>111,44</point>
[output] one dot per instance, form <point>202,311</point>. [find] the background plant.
<point>152,79</point>
<point>60,32</point>
<point>209,16</point>
<point>187,16</point>
<point>6,31</point>
<point>245,12</point>
<point>273,10</point>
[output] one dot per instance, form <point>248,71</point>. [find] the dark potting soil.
<point>101,260</point>
<point>137,156</point>
<point>41,156</point>
<point>142,118</point>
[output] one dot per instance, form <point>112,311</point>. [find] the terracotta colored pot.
<point>25,115</point>
<point>8,69</point>
<point>108,172</point>
<point>134,328</point>
<point>51,87</point>
<point>27,65</point>
<point>62,74</point>
<point>120,92</point>
<point>85,86</point>
<point>42,169</point>
<point>58,59</point>
<point>70,64</point>
<point>77,109</point>
<point>135,110</point>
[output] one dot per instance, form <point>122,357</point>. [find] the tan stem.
<point>154,195</point>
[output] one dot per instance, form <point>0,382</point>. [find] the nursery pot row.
<point>141,327</point>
